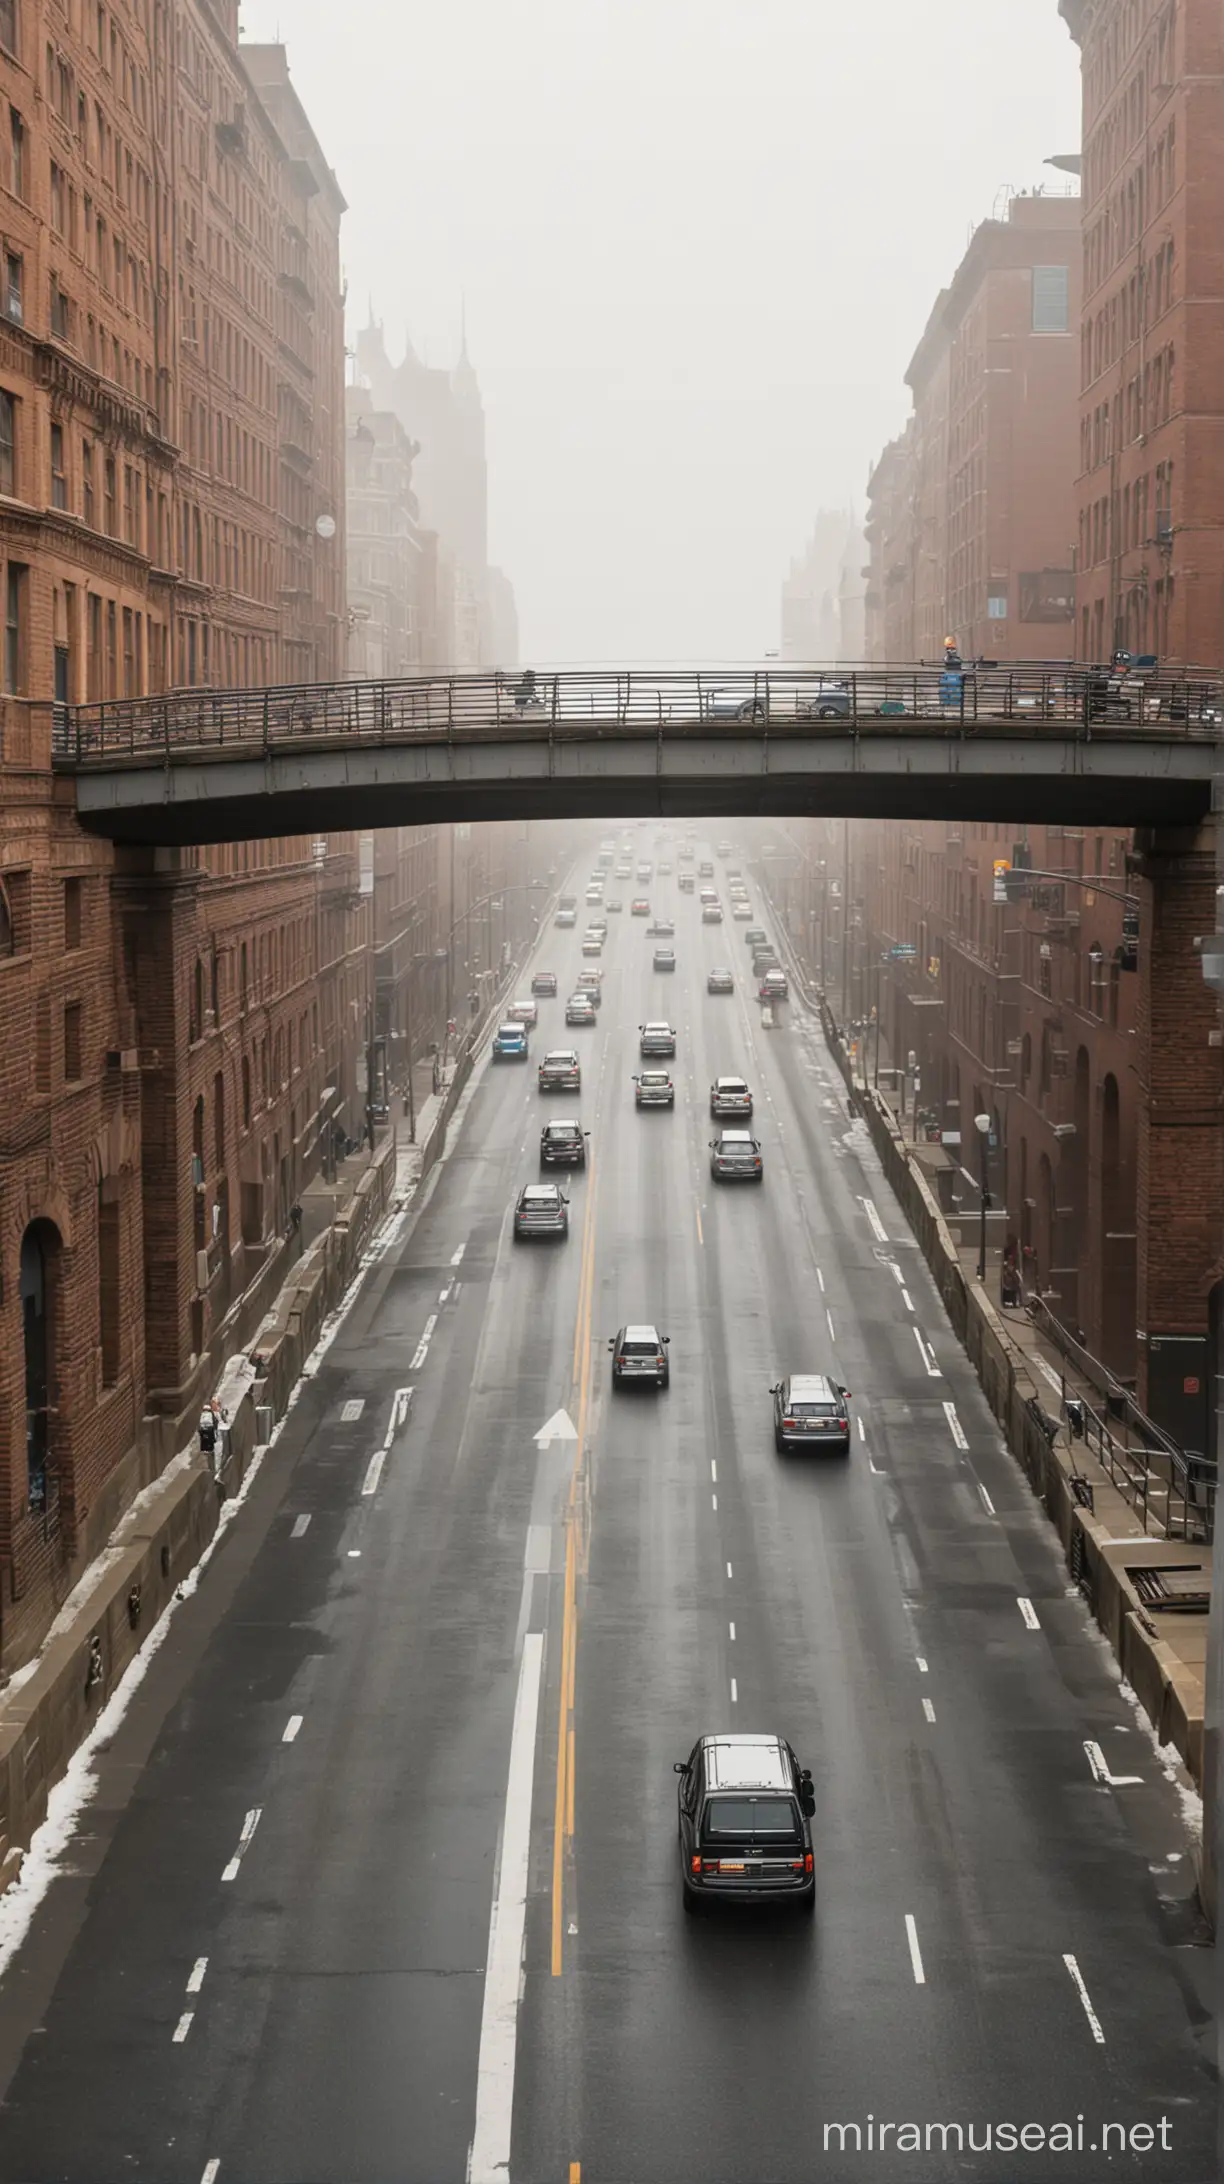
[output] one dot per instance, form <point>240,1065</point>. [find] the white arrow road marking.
<point>560,1427</point>
<point>489,2157</point>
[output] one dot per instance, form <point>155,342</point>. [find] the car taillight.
<point>788,1421</point>
<point>660,1360</point>
<point>694,1864</point>
<point>756,1163</point>
<point>807,1863</point>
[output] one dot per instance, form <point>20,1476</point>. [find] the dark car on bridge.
<point>744,1807</point>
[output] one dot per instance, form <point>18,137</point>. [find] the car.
<point>827,700</point>
<point>592,944</point>
<point>615,904</point>
<point>686,853</point>
<point>566,918</point>
<point>741,909</point>
<point>662,929</point>
<point>664,870</point>
<point>756,936</point>
<point>639,907</point>
<point>773,986</point>
<point>735,1157</point>
<point>588,982</point>
<point>644,871</point>
<point>665,959</point>
<point>811,1411</point>
<point>580,1009</point>
<point>640,1354</point>
<point>542,1210</point>
<point>708,893</point>
<point>600,926</point>
<point>563,1145</point>
<point>764,959</point>
<point>734,704</point>
<point>544,982</point>
<point>745,1805</point>
<point>510,1043</point>
<point>560,1071</point>
<point>523,1012</point>
<point>656,1038</point>
<point>705,870</point>
<point>594,894</point>
<point>654,1088</point>
<point>711,913</point>
<point>686,883</point>
<point>720,981</point>
<point>730,1096</point>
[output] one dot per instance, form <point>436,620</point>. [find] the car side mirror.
<point>846,1396</point>
<point>805,1774</point>
<point>776,1389</point>
<point>612,1342</point>
<point>680,1766</point>
<point>665,1338</point>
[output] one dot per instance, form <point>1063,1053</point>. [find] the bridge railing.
<point>1025,697</point>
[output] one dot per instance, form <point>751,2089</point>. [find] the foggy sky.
<point>698,241</point>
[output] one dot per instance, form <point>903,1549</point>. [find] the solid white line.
<point>374,1471</point>
<point>909,1302</point>
<point>196,1976</point>
<point>1029,1612</point>
<point>922,1667</point>
<point>829,1317</point>
<point>928,1710</point>
<point>914,1950</point>
<point>1082,1990</point>
<point>877,1225</point>
<point>713,1469</point>
<point>292,1726</point>
<point>419,1356</point>
<point>734,1693</point>
<point>183,2027</point>
<point>862,1431</point>
<point>354,1554</point>
<point>728,1569</point>
<point>959,1434</point>
<point>820,1279</point>
<point>489,2156</point>
<point>732,1630</point>
<point>714,1500</point>
<point>927,1355</point>
<point>299,1526</point>
<point>987,1504</point>
<point>457,1256</point>
<point>896,1273</point>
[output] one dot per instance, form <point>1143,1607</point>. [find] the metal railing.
<point>800,701</point>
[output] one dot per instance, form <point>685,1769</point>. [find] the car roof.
<point>654,1076</point>
<point>517,1029</point>
<point>563,1123</point>
<point>541,1190</point>
<point>747,1761</point>
<point>737,1137</point>
<point>732,1080</point>
<point>561,1054</point>
<point>811,1388</point>
<point>641,1334</point>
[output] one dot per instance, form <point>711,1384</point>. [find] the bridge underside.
<point>1111,779</point>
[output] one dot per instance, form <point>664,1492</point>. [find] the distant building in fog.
<point>470,615</point>
<point>822,598</point>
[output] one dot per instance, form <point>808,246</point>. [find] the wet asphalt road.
<point>902,1617</point>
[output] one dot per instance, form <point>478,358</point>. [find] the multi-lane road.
<point>381,1880</point>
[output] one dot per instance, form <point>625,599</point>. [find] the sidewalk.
<point>1149,1590</point>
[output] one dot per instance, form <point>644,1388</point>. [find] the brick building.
<point>181,1029</point>
<point>971,515</point>
<point>1151,450</point>
<point>1081,1024</point>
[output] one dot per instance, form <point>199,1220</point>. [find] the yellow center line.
<point>575,2175</point>
<point>563,1813</point>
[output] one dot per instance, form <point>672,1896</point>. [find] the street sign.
<point>903,948</point>
<point>1002,867</point>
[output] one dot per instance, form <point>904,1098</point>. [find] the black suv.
<point>563,1145</point>
<point>745,1804</point>
<point>640,1354</point>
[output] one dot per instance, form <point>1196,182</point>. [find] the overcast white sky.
<point>698,240</point>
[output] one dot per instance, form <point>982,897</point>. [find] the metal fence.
<point>980,698</point>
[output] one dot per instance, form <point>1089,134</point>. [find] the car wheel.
<point>807,1904</point>
<point>665,1381</point>
<point>779,1444</point>
<point>829,712</point>
<point>693,1903</point>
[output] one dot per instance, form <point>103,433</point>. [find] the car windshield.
<point>640,1349</point>
<point>539,1197</point>
<point>738,1816</point>
<point>563,1130</point>
<point>653,1077</point>
<point>732,1084</point>
<point>811,1410</point>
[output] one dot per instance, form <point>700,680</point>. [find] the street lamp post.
<point>981,1124</point>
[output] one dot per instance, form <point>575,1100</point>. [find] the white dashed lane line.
<point>829,1317</point>
<point>911,1931</point>
<point>877,1226</point>
<point>927,1355</point>
<point>195,1978</point>
<point>249,1826</point>
<point>299,1527</point>
<point>987,1504</point>
<point>959,1435</point>
<point>922,1667</point>
<point>909,1302</point>
<point>1082,1991</point>
<point>1029,1612</point>
<point>422,1348</point>
<point>928,1710</point>
<point>457,1256</point>
<point>292,1726</point>
<point>183,2027</point>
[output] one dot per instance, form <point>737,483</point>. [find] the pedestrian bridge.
<point>1068,744</point>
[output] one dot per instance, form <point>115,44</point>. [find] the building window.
<point>14,618</point>
<point>61,311</point>
<point>72,1043</point>
<point>109,495</point>
<point>8,26</point>
<point>1051,299</point>
<point>8,443</point>
<point>129,655</point>
<point>17,153</point>
<point>14,272</point>
<point>996,606</point>
<point>72,913</point>
<point>59,483</point>
<point>87,482</point>
<point>109,1280</point>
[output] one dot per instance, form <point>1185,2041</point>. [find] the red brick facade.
<point>1151,456</point>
